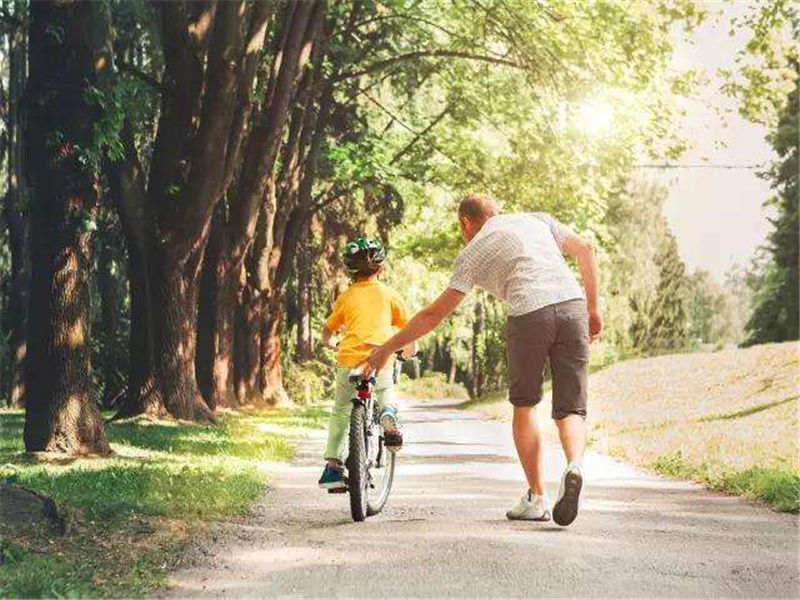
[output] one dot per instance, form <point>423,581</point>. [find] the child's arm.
<point>327,337</point>
<point>333,324</point>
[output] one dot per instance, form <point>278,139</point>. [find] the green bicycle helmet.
<point>363,256</point>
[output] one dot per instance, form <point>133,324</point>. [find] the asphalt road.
<point>444,532</point>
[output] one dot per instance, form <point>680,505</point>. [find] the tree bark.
<point>271,375</point>
<point>16,215</point>
<point>215,320</point>
<point>248,344</point>
<point>305,340</point>
<point>126,182</point>
<point>61,414</point>
<point>176,338</point>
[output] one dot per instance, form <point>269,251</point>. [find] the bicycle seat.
<point>356,376</point>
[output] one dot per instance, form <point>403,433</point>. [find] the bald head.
<point>473,211</point>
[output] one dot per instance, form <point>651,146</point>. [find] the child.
<point>368,312</point>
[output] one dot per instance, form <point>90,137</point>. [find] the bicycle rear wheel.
<point>358,477</point>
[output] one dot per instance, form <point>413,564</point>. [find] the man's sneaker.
<point>331,478</point>
<point>392,436</point>
<point>530,508</point>
<point>566,507</point>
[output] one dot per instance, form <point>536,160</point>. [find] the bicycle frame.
<point>364,396</point>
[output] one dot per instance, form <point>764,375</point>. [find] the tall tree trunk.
<point>271,375</point>
<point>248,344</point>
<point>254,212</point>
<point>305,341</point>
<point>144,394</point>
<point>16,215</point>
<point>126,180</point>
<point>207,70</point>
<point>176,288</point>
<point>215,320</point>
<point>61,414</point>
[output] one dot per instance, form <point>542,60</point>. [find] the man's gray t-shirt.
<point>518,258</point>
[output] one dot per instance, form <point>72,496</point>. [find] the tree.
<point>61,414</point>
<point>660,320</point>
<point>206,91</point>
<point>709,310</point>
<point>255,214</point>
<point>15,208</point>
<point>765,84</point>
<point>775,284</point>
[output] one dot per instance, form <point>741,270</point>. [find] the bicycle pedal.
<point>341,490</point>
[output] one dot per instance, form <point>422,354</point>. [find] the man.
<point>519,258</point>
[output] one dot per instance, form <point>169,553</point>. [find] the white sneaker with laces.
<point>530,508</point>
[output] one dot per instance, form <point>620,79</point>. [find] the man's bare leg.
<point>572,432</point>
<point>528,441</point>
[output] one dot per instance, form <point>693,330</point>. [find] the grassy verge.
<point>133,511</point>
<point>431,386</point>
<point>728,419</point>
<point>774,487</point>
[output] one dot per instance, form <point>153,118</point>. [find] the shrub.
<point>309,382</point>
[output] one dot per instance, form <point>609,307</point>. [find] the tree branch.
<point>10,21</point>
<point>400,153</point>
<point>130,69</point>
<point>441,53</point>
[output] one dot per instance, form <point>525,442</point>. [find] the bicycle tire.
<point>358,478</point>
<point>376,506</point>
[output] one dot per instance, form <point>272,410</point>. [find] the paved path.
<point>444,532</point>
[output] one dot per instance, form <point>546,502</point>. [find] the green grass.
<point>170,476</point>
<point>490,398</point>
<point>432,386</point>
<point>500,396</point>
<point>777,488</point>
<point>748,411</point>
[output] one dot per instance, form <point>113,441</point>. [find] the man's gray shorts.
<point>559,332</point>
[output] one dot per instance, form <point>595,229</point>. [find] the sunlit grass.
<point>727,419</point>
<point>777,488</point>
<point>432,386</point>
<point>161,471</point>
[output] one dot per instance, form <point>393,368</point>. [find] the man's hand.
<point>595,325</point>
<point>376,361</point>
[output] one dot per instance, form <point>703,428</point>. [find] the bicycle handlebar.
<point>399,355</point>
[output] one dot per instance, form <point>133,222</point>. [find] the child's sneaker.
<point>331,478</point>
<point>392,436</point>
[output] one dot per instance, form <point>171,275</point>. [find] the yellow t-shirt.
<point>370,313</point>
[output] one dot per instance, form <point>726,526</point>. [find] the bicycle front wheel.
<point>358,476</point>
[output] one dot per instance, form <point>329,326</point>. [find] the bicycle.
<point>370,465</point>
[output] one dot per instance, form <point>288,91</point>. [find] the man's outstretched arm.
<point>583,251</point>
<point>421,324</point>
